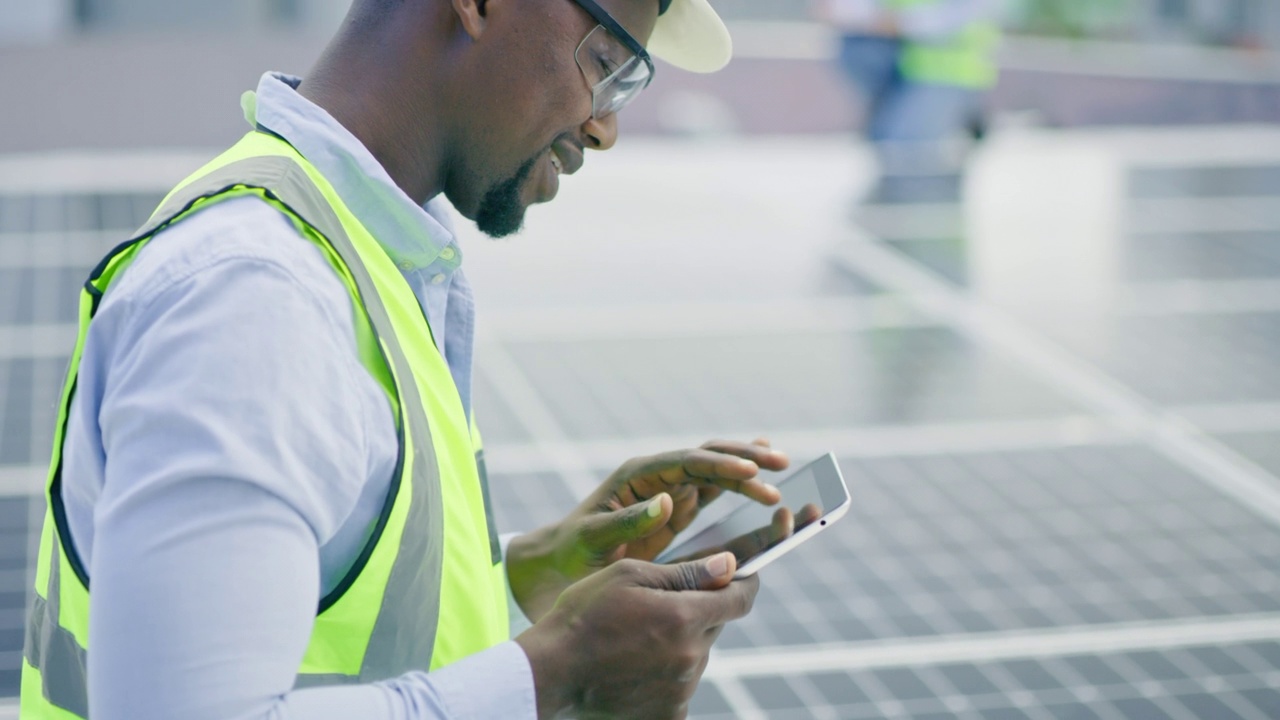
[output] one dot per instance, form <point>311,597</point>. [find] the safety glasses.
<point>615,64</point>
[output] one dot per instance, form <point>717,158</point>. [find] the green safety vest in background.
<point>966,59</point>
<point>429,587</point>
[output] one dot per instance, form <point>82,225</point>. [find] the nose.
<point>601,133</point>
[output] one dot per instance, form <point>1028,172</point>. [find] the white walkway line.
<point>9,709</point>
<point>106,171</point>
<point>1215,463</point>
<point>991,646</point>
<point>916,221</point>
<point>867,441</point>
<point>1202,215</point>
<point>57,249</point>
<point>1200,297</point>
<point>559,324</point>
<point>37,341</point>
<point>1139,61</point>
<point>524,400</point>
<point>19,480</point>
<point>700,319</point>
<point>801,40</point>
<point>1146,147</point>
<point>744,707</point>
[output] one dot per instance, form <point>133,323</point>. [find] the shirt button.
<point>406,265</point>
<point>439,278</point>
<point>447,254</point>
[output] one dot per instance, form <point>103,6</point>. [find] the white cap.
<point>691,36</point>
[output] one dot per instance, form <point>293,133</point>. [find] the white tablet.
<point>813,498</point>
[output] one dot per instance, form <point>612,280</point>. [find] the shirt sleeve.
<point>231,415</point>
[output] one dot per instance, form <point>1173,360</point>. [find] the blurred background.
<point>1016,263</point>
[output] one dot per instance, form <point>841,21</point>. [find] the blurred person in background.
<point>266,460</point>
<point>921,68</point>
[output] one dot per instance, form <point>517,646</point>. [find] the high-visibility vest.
<point>428,588</point>
<point>966,59</point>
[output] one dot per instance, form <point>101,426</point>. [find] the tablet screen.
<point>751,528</point>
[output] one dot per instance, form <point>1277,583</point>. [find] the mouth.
<point>562,158</point>
<point>566,156</point>
<point>547,182</point>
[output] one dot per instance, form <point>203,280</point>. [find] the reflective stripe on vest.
<point>351,641</point>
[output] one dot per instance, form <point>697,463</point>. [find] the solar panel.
<point>1184,359</point>
<point>758,383</point>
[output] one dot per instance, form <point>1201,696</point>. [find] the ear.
<point>472,14</point>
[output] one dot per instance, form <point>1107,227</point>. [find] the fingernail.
<point>655,507</point>
<point>718,565</point>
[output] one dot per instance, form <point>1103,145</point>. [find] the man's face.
<point>530,120</point>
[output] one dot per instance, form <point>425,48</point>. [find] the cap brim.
<point>691,36</point>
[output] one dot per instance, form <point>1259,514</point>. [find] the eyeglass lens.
<point>616,74</point>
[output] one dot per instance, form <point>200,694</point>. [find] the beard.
<point>501,213</point>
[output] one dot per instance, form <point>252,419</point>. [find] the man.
<point>266,467</point>
<point>922,68</point>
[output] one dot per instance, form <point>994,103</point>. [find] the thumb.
<point>602,532</point>
<point>709,573</point>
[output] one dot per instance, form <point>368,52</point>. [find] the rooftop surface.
<point>1052,385</point>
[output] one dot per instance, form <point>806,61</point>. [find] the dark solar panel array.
<point>1227,682</point>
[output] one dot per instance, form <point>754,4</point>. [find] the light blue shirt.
<point>227,454</point>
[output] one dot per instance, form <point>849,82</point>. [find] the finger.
<point>685,510</point>
<point>726,471</point>
<point>701,554</point>
<point>730,473</point>
<point>758,451</point>
<point>784,523</point>
<point>712,597</point>
<point>717,607</point>
<point>807,515</point>
<point>707,494</point>
<point>701,467</point>
<point>750,544</point>
<point>602,532</point>
<point>711,573</point>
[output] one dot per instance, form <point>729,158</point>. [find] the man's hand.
<point>632,641</point>
<point>635,513</point>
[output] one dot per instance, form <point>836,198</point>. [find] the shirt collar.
<point>412,235</point>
